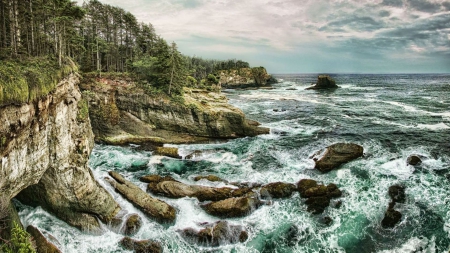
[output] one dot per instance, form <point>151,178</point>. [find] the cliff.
<point>245,77</point>
<point>45,145</point>
<point>122,113</point>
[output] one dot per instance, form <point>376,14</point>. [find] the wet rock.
<point>317,205</point>
<point>391,218</point>
<point>304,185</point>
<point>319,196</point>
<point>326,220</point>
<point>397,193</point>
<point>154,208</point>
<point>413,160</point>
<point>232,207</point>
<point>335,155</point>
<point>155,179</point>
<point>144,246</point>
<point>193,155</point>
<point>211,178</point>
<point>132,225</point>
<point>215,234</point>
<point>277,190</point>
<point>175,189</point>
<point>323,82</point>
<point>337,204</point>
<point>167,151</point>
<point>42,244</point>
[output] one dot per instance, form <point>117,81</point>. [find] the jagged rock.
<point>143,246</point>
<point>132,225</point>
<point>335,155</point>
<point>397,193</point>
<point>211,178</point>
<point>391,218</point>
<point>154,208</point>
<point>215,234</point>
<point>319,196</point>
<point>232,207</point>
<point>42,244</point>
<point>8,217</point>
<point>277,190</point>
<point>323,82</point>
<point>413,160</point>
<point>175,189</point>
<point>168,151</point>
<point>51,140</point>
<point>245,78</point>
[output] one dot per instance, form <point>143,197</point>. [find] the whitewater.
<point>391,116</point>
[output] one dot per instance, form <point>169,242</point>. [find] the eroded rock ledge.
<point>45,146</point>
<point>122,113</point>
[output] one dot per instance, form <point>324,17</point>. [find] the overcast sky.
<point>307,36</point>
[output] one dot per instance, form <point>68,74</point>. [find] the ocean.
<point>391,116</point>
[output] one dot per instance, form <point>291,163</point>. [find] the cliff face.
<point>121,113</point>
<point>245,77</point>
<point>45,146</point>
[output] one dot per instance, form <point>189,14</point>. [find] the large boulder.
<point>215,234</point>
<point>392,216</point>
<point>154,208</point>
<point>42,244</point>
<point>277,190</point>
<point>211,178</point>
<point>335,155</point>
<point>175,189</point>
<point>168,151</point>
<point>397,193</point>
<point>324,82</point>
<point>232,207</point>
<point>143,246</point>
<point>132,225</point>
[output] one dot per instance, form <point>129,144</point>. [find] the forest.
<point>98,38</point>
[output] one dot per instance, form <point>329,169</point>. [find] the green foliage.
<point>144,67</point>
<point>211,79</point>
<point>20,241</point>
<point>83,110</point>
<point>27,80</point>
<point>191,82</point>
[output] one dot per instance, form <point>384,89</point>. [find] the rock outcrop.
<point>174,189</point>
<point>335,155</point>
<point>215,234</point>
<point>42,244</point>
<point>392,217</point>
<point>323,82</point>
<point>154,208</point>
<point>122,113</point>
<point>45,146</point>
<point>245,77</point>
<point>318,196</point>
<point>277,190</point>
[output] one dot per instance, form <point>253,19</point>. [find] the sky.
<point>307,36</point>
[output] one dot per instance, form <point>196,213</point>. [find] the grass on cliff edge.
<point>27,80</point>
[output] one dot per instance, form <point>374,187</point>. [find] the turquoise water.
<point>391,116</point>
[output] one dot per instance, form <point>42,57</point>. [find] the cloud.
<point>380,29</point>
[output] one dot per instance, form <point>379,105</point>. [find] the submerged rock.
<point>323,82</point>
<point>413,160</point>
<point>175,189</point>
<point>143,246</point>
<point>215,234</point>
<point>335,155</point>
<point>391,218</point>
<point>42,244</point>
<point>319,196</point>
<point>155,208</point>
<point>397,193</point>
<point>277,190</point>
<point>232,207</point>
<point>132,225</point>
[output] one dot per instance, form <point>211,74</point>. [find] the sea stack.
<point>323,82</point>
